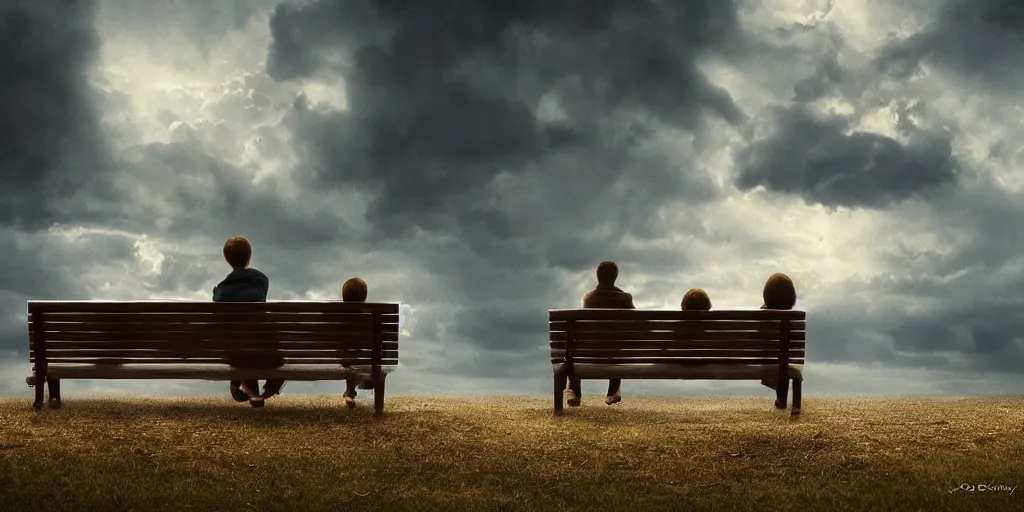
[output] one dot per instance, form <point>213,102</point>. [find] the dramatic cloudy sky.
<point>475,160</point>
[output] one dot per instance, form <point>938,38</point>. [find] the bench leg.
<point>378,396</point>
<point>798,385</point>
<point>781,393</point>
<point>53,386</point>
<point>40,388</point>
<point>559,390</point>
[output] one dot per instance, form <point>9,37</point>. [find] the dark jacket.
<point>607,297</point>
<point>242,285</point>
<point>246,285</point>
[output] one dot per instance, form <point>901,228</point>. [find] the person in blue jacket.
<point>246,284</point>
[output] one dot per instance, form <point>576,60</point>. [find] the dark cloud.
<point>502,151</point>
<point>981,40</point>
<point>50,141</point>
<point>814,157</point>
<point>966,324</point>
<point>53,155</point>
<point>443,101</point>
<point>520,137</point>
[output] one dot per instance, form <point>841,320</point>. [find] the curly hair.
<point>354,290</point>
<point>237,252</point>
<point>779,292</point>
<point>607,272</point>
<point>696,300</point>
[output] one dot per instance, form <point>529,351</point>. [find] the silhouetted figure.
<point>246,284</point>
<point>354,290</point>
<point>779,293</point>
<point>604,296</point>
<point>696,300</point>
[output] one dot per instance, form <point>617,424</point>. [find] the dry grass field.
<point>465,454</point>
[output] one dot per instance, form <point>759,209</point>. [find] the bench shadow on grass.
<point>331,410</point>
<point>649,415</point>
<point>276,414</point>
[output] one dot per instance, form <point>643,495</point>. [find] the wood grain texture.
<point>680,345</point>
<point>676,325</point>
<point>199,346</point>
<point>80,307</point>
<point>584,336</point>
<point>666,314</point>
<point>217,372</point>
<point>258,316</point>
<point>671,371</point>
<point>677,360</point>
<point>155,333</point>
<point>557,354</point>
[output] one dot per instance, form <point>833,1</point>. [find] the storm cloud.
<point>50,145</point>
<point>476,160</point>
<point>445,103</point>
<point>979,40</point>
<point>819,160</point>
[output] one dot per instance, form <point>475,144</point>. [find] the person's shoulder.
<point>257,272</point>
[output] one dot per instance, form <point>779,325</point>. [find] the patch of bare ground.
<point>501,453</point>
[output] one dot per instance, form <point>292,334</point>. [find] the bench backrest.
<point>139,332</point>
<point>621,336</point>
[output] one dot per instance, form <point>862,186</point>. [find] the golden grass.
<point>499,453</point>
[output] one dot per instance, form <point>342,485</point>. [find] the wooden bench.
<point>655,344</point>
<point>195,340</point>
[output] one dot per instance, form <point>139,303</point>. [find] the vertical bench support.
<point>798,384</point>
<point>376,373</point>
<point>40,350</point>
<point>782,386</point>
<point>570,354</point>
<point>53,388</point>
<point>560,380</point>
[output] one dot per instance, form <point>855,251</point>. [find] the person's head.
<point>237,252</point>
<point>779,292</point>
<point>354,290</point>
<point>607,271</point>
<point>696,300</point>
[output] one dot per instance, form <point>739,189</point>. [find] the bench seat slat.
<point>673,314</point>
<point>680,361</point>
<point>679,344</point>
<point>335,353</point>
<point>179,346</point>
<point>656,335</point>
<point>183,306</point>
<point>675,325</point>
<point>216,336</point>
<point>673,352</point>
<point>207,371</point>
<point>58,327</point>
<point>218,360</point>
<point>218,317</point>
<point>671,371</point>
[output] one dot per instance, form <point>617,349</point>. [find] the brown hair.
<point>779,292</point>
<point>696,300</point>
<point>354,290</point>
<point>607,272</point>
<point>237,252</point>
